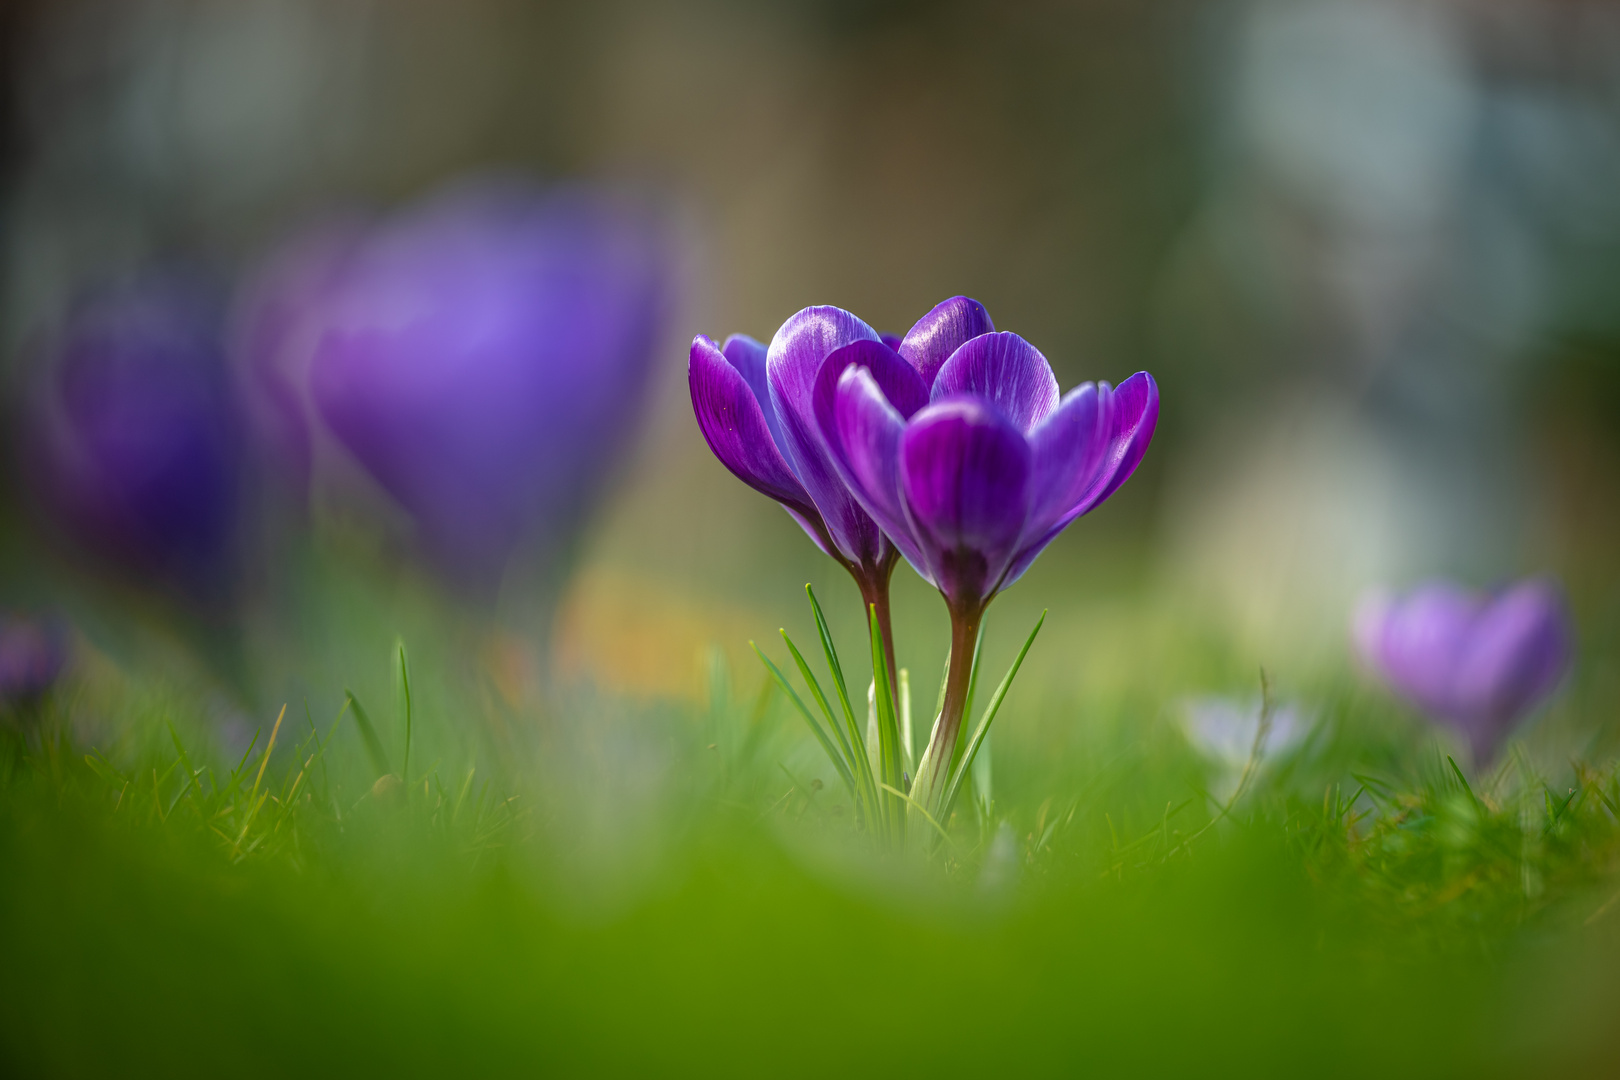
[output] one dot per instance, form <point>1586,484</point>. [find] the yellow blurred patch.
<point>636,635</point>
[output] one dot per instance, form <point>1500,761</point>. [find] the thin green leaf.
<point>798,703</point>
<point>368,734</point>
<point>917,806</point>
<point>888,726</point>
<point>814,687</point>
<point>836,668</point>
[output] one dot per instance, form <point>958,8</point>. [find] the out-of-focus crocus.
<point>135,442</point>
<point>32,653</point>
<point>1478,663</point>
<point>275,312</point>
<point>484,355</point>
<point>754,407</point>
<point>961,449</point>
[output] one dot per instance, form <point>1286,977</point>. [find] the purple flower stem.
<point>966,619</point>
<point>875,597</point>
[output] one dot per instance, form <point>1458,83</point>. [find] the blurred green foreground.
<point>676,889</point>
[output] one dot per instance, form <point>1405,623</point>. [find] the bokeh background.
<point>1370,249</point>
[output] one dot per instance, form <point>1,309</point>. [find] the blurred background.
<point>1370,250</point>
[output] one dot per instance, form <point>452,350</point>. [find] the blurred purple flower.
<point>274,314</point>
<point>484,355</point>
<point>1478,663</point>
<point>134,445</point>
<point>32,653</point>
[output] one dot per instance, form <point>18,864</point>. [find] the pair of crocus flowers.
<point>951,447</point>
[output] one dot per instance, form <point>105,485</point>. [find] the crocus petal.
<point>941,332</point>
<point>895,379</point>
<point>1136,415</point>
<point>1083,454</point>
<point>736,428</point>
<point>748,357</point>
<point>1005,370</point>
<point>893,341</point>
<point>792,363</point>
<point>1516,653</point>
<point>1422,642</point>
<point>1070,447</point>
<point>863,431</point>
<point>964,471</point>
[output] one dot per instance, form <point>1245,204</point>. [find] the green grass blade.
<point>979,733</point>
<point>917,806</point>
<point>814,686</point>
<point>888,724</point>
<point>798,703</point>
<point>368,734</point>
<point>1463,780</point>
<point>833,666</point>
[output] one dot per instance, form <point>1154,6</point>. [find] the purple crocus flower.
<point>961,449</point>
<point>754,407</point>
<point>484,355</point>
<point>1478,663</point>
<point>32,653</point>
<point>134,448</point>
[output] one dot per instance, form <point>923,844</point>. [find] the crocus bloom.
<point>135,446</point>
<point>485,355</point>
<point>32,652</point>
<point>1478,663</point>
<point>275,312</point>
<point>753,405</point>
<point>960,447</point>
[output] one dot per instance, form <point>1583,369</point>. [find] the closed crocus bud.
<point>32,653</point>
<point>133,447</point>
<point>485,356</point>
<point>1479,663</point>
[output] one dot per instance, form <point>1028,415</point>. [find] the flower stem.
<point>875,595</point>
<point>965,623</point>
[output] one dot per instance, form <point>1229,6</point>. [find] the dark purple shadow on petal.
<point>893,341</point>
<point>942,331</point>
<point>748,357</point>
<point>863,431</point>
<point>735,427</point>
<point>964,471</point>
<point>1005,370</point>
<point>793,362</point>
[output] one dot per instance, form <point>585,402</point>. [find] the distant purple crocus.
<point>134,441</point>
<point>960,448</point>
<point>32,653</point>
<point>484,355</point>
<point>1476,662</point>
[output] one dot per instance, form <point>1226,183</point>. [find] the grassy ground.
<point>678,889</point>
